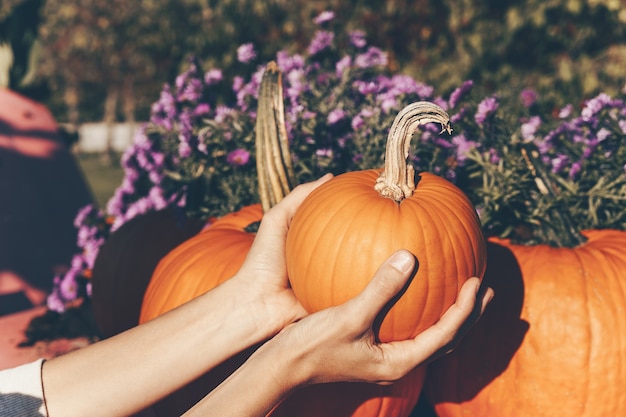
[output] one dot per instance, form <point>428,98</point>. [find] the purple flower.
<point>530,127</point>
<point>246,53</point>
<point>335,116</point>
<point>459,92</point>
<point>54,302</point>
<point>566,111</point>
<point>191,90</point>
<point>238,157</point>
<point>201,109</point>
<point>463,146</point>
<point>373,57</point>
<point>594,105</point>
<point>602,134</point>
<point>68,286</point>
<point>213,76</point>
<point>357,122</point>
<point>485,108</point>
<point>528,97</point>
<point>357,38</point>
<point>322,40</point>
<point>559,163</point>
<point>575,170</point>
<point>83,214</point>
<point>325,16</point>
<point>342,65</point>
<point>288,62</point>
<point>366,87</point>
<point>324,153</point>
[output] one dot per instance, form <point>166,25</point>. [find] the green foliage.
<point>567,49</point>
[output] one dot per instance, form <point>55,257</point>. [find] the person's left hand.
<point>263,275</point>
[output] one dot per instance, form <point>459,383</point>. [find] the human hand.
<point>263,274</point>
<point>338,344</point>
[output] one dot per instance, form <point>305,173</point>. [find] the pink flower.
<point>325,16</point>
<point>322,40</point>
<point>238,157</point>
<point>246,53</point>
<point>485,108</point>
<point>528,97</point>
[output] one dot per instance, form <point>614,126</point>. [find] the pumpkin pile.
<point>432,218</point>
<point>551,343</point>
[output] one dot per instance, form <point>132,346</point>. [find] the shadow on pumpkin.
<point>491,343</point>
<point>126,261</point>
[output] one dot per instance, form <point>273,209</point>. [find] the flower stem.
<point>397,181</point>
<point>566,235</point>
<point>274,169</point>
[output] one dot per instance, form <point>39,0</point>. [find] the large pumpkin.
<point>347,227</point>
<point>553,341</point>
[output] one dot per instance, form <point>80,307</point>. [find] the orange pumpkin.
<point>200,263</point>
<point>552,342</point>
<point>347,227</point>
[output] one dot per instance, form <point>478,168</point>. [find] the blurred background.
<point>105,62</point>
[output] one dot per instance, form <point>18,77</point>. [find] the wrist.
<point>272,308</point>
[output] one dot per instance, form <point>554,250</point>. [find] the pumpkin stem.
<point>273,159</point>
<point>567,235</point>
<point>397,181</point>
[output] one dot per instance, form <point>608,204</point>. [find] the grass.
<point>103,176</point>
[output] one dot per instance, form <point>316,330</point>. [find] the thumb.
<point>390,278</point>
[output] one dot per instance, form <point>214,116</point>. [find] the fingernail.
<point>403,261</point>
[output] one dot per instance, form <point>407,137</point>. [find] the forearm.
<point>127,372</point>
<point>266,378</point>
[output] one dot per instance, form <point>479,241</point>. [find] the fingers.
<point>388,281</point>
<point>443,336</point>
<point>275,223</point>
<point>285,209</point>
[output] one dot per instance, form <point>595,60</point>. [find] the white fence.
<point>93,137</point>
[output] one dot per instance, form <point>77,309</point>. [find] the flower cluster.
<point>93,229</point>
<point>197,150</point>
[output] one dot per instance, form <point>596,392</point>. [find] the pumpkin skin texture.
<point>200,263</point>
<point>571,359</point>
<point>344,231</point>
<point>125,264</point>
<point>194,267</point>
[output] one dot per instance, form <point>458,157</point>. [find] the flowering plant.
<point>196,151</point>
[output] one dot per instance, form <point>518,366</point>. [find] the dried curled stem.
<point>274,169</point>
<point>397,181</point>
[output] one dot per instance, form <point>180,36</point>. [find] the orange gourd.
<point>552,342</point>
<point>347,227</point>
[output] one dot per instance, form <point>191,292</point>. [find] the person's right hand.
<point>339,344</point>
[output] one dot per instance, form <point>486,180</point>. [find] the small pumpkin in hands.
<point>347,227</point>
